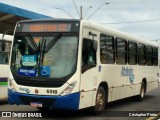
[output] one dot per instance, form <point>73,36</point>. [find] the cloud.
<point>116,11</point>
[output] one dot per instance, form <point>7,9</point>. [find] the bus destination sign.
<point>44,27</point>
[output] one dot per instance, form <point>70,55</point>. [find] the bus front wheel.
<point>100,101</point>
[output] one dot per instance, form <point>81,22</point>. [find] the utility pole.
<point>81,13</point>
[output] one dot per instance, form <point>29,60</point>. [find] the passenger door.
<point>88,69</point>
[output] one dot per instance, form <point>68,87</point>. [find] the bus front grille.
<point>47,102</point>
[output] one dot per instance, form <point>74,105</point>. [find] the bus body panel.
<point>42,90</point>
<point>119,86</point>
<point>23,95</point>
<point>89,79</point>
<point>3,90</point>
<point>4,70</point>
<point>66,102</point>
<point>4,81</point>
<point>116,83</point>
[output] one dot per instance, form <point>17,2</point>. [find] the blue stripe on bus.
<point>64,102</point>
<point>3,79</point>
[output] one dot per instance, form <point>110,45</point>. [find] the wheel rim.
<point>100,101</point>
<point>142,92</point>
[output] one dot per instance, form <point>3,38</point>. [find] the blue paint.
<point>45,71</point>
<point>27,72</point>
<point>131,78</point>
<point>5,8</point>
<point>70,101</point>
<point>128,71</point>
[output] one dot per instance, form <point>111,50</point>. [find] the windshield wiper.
<point>42,50</point>
<point>52,42</point>
<point>31,42</point>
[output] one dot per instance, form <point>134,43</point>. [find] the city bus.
<point>5,46</point>
<point>76,64</point>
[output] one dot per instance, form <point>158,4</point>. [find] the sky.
<point>117,11</point>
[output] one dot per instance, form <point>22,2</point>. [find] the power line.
<point>64,11</point>
<point>133,21</point>
<point>155,40</point>
<point>76,7</point>
<point>97,9</point>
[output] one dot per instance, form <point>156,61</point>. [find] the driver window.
<point>88,55</point>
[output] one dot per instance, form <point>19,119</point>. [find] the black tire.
<point>43,109</point>
<point>100,101</point>
<point>140,97</point>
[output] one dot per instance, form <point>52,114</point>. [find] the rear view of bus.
<point>44,64</point>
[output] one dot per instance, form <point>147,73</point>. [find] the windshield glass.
<point>44,55</point>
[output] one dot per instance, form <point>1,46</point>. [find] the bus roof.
<point>50,19</point>
<point>117,33</point>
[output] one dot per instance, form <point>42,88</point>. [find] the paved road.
<point>130,105</point>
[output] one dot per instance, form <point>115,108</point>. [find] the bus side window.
<point>88,54</point>
<point>4,58</point>
<point>141,54</point>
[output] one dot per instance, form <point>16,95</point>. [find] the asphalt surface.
<point>126,109</point>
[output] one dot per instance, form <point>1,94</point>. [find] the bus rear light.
<point>68,89</point>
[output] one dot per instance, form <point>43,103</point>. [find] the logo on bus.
<point>128,71</point>
<point>25,90</point>
<point>36,91</point>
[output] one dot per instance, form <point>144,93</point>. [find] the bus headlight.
<point>68,89</point>
<point>11,86</point>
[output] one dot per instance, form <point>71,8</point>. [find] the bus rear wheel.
<point>142,92</point>
<point>100,101</point>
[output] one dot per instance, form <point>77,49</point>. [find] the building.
<point>10,15</point>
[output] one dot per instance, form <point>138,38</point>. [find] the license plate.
<point>36,104</point>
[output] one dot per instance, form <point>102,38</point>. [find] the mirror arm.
<point>7,32</point>
<point>92,34</point>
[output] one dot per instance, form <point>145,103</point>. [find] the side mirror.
<point>94,42</point>
<point>87,43</point>
<point>3,40</point>
<point>3,44</point>
<point>89,54</point>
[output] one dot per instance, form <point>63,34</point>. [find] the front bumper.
<point>63,102</point>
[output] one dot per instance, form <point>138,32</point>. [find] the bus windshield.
<point>49,55</point>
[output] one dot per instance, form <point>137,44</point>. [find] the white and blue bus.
<point>76,64</point>
<point>5,46</point>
